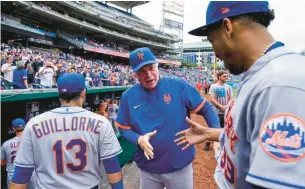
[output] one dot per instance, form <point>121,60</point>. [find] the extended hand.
<point>223,108</point>
<point>143,142</point>
<point>194,135</point>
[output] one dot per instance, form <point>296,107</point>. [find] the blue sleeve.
<point>117,185</point>
<point>22,175</point>
<point>123,122</point>
<point>112,165</point>
<point>25,75</point>
<point>210,115</point>
<point>192,99</point>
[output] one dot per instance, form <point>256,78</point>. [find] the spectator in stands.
<point>79,69</point>
<point>104,77</point>
<point>112,79</point>
<point>96,82</point>
<point>3,59</point>
<point>59,71</point>
<point>39,63</point>
<point>46,75</point>
<point>20,77</point>
<point>30,73</point>
<point>117,79</point>
<point>88,75</point>
<point>8,69</point>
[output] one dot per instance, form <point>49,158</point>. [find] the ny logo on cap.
<point>140,55</point>
<point>225,10</point>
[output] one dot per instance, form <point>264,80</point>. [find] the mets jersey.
<point>112,110</point>
<point>221,93</point>
<point>9,152</point>
<point>163,109</point>
<point>66,145</point>
<point>264,138</point>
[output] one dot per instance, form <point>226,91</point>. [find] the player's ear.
<point>83,93</point>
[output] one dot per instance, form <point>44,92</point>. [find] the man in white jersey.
<point>8,69</point>
<point>66,144</point>
<point>112,114</point>
<point>47,74</point>
<point>263,142</point>
<point>9,150</point>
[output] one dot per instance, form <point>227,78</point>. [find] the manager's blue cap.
<point>218,10</point>
<point>141,57</point>
<point>17,123</point>
<point>71,83</point>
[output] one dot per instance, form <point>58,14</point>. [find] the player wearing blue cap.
<point>263,142</point>
<point>151,113</point>
<point>9,150</point>
<point>67,144</point>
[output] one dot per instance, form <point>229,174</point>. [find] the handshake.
<point>194,135</point>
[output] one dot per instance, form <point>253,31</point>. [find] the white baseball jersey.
<point>112,110</point>
<point>9,74</point>
<point>8,153</point>
<point>264,138</point>
<point>221,93</point>
<point>46,79</point>
<point>66,145</point>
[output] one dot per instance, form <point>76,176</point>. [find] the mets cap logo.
<point>282,137</point>
<point>225,10</point>
<point>140,55</point>
<point>167,98</point>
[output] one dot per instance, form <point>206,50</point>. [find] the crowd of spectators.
<point>23,68</point>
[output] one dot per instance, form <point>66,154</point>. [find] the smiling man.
<point>263,141</point>
<point>151,113</point>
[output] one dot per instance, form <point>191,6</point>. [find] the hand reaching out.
<point>143,142</point>
<point>193,135</point>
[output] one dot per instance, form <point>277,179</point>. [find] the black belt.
<point>95,187</point>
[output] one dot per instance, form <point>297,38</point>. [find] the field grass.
<point>234,92</point>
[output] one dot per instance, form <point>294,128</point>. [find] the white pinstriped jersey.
<point>66,145</point>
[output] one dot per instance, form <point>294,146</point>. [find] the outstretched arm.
<point>197,134</point>
<point>210,115</point>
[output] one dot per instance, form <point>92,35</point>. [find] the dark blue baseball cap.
<point>140,57</point>
<point>17,123</point>
<point>71,83</point>
<point>218,10</point>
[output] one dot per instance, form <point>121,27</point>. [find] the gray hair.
<point>20,64</point>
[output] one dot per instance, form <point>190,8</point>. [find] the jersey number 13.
<point>58,149</point>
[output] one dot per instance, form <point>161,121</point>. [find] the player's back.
<point>68,143</point>
<point>112,110</point>
<point>9,151</point>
